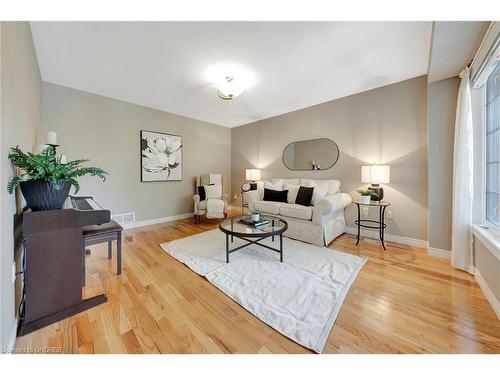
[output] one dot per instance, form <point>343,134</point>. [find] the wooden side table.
<point>372,224</point>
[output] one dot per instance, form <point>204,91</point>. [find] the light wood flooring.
<point>403,301</point>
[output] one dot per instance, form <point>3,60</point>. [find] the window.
<point>492,114</point>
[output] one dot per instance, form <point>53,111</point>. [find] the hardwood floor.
<point>403,301</point>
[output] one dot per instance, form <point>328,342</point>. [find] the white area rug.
<point>299,298</point>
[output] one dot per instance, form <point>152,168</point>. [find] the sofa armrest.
<point>225,198</point>
<point>329,205</point>
<point>250,197</point>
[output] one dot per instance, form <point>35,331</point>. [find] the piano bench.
<point>107,232</point>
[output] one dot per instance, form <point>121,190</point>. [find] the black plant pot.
<point>45,195</point>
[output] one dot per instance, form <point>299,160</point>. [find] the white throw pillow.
<point>318,192</point>
<point>213,191</point>
<point>292,192</point>
<point>278,185</point>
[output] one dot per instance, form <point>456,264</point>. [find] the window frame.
<point>495,228</point>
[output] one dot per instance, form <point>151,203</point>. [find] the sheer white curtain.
<point>461,238</point>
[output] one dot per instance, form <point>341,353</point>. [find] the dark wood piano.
<point>54,259</point>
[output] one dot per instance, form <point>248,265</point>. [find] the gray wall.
<point>20,119</point>
<point>386,125</point>
<point>442,103</point>
<point>107,131</point>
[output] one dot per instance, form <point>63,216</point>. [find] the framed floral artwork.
<point>161,157</point>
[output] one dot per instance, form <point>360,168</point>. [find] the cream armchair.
<point>200,206</point>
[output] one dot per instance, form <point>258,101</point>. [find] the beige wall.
<point>488,266</point>
<point>442,102</point>
<point>385,125</point>
<point>20,119</point>
<point>107,131</point>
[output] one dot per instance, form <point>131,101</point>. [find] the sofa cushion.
<point>278,185</point>
<point>318,192</point>
<point>268,207</point>
<point>292,181</point>
<point>296,211</point>
<point>292,191</point>
<point>333,185</point>
<point>275,196</point>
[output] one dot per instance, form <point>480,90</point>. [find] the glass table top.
<point>233,225</point>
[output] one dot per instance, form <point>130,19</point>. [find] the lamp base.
<point>378,192</point>
<point>253,185</point>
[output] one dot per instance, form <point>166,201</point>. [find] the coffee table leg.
<point>231,231</point>
<point>281,248</point>
<point>227,248</point>
<point>272,237</point>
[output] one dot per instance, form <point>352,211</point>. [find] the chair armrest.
<point>329,205</point>
<point>196,199</point>
<point>250,197</point>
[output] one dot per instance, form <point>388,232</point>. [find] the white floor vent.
<point>126,218</point>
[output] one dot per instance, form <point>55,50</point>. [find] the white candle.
<point>51,138</point>
<point>62,160</point>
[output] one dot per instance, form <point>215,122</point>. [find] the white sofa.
<point>319,224</point>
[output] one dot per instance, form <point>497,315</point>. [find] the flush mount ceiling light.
<point>230,80</point>
<point>229,88</point>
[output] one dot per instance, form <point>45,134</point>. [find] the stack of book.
<point>255,224</point>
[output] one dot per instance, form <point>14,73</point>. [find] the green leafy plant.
<point>366,192</point>
<point>44,166</point>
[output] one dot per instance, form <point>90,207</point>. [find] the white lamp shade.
<point>253,174</point>
<point>376,174</point>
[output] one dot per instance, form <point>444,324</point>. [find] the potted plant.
<point>255,215</point>
<point>44,181</point>
<point>365,196</point>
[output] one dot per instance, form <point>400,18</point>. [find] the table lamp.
<point>376,175</point>
<point>253,175</point>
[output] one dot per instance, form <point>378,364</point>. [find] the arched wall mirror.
<point>311,154</point>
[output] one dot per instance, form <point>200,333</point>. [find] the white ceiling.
<point>453,47</point>
<point>163,65</point>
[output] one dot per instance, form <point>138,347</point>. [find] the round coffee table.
<point>232,227</point>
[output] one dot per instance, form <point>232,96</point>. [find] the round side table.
<point>372,224</point>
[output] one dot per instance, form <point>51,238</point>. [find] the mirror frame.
<point>305,140</point>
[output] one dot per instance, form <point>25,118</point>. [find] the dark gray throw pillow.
<point>304,196</point>
<point>275,195</point>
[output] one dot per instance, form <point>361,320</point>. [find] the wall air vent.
<point>126,218</point>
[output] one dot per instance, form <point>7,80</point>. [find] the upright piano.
<point>53,262</point>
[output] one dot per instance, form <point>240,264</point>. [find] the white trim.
<point>159,220</point>
<point>488,239</point>
<point>12,340</point>
<point>389,237</point>
<point>439,253</point>
<point>495,304</point>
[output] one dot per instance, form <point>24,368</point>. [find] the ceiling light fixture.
<point>228,88</point>
<point>230,80</point>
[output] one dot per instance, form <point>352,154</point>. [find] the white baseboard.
<point>389,237</point>
<point>495,304</point>
<point>440,253</point>
<point>159,220</point>
<point>12,339</point>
